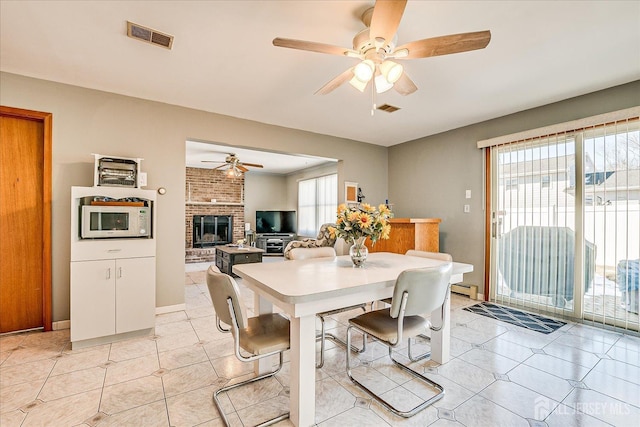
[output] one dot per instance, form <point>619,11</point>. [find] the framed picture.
<point>351,192</point>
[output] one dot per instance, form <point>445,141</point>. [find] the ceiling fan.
<point>376,47</point>
<point>234,166</point>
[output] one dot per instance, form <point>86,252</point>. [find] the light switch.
<point>467,208</point>
<point>467,194</point>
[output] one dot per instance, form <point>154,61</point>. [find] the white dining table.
<point>305,287</point>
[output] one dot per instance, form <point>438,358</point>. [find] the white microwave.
<point>100,222</point>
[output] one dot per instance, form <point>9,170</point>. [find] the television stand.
<point>273,243</point>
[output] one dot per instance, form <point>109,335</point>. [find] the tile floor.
<point>500,375</point>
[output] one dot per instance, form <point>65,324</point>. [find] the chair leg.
<point>324,336</point>
<point>249,381</point>
<point>420,356</point>
<point>405,414</point>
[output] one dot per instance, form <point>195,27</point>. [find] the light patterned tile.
<point>355,417</point>
<point>70,362</point>
<point>132,349</point>
<point>519,400</point>
<point>123,396</point>
<point>188,378</point>
<point>119,372</point>
<point>508,349</point>
<point>421,419</point>
<point>617,388</point>
<point>625,355</point>
<point>603,407</point>
<point>172,328</point>
<point>192,408</point>
<point>480,411</point>
<point>184,356</point>
<point>489,361</point>
<point>572,354</point>
<point>619,369</point>
<point>467,375</point>
<point>67,411</point>
<point>171,342</point>
<point>12,418</point>
<point>70,383</point>
<point>566,416</point>
<point>152,414</point>
<point>251,394</point>
<point>19,395</point>
<point>455,394</point>
<point>331,399</point>
<point>541,382</point>
<point>26,372</point>
<point>263,411</point>
<point>558,367</point>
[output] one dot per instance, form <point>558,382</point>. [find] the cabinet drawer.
<point>219,261</point>
<point>247,258</point>
<point>223,255</point>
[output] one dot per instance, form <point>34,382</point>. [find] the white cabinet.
<point>112,296</point>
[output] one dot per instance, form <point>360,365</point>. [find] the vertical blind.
<point>317,203</point>
<point>566,223</point>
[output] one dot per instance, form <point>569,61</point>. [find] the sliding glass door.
<point>565,224</point>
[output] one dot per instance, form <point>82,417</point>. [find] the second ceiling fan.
<point>234,166</point>
<point>376,48</point>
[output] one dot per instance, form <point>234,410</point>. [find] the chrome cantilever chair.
<point>416,291</point>
<point>254,338</point>
<point>299,253</point>
<point>433,255</point>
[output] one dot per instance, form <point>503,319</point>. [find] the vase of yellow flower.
<point>356,223</point>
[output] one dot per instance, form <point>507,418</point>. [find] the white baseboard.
<point>62,324</point>
<point>170,308</point>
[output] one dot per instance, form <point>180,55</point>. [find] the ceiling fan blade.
<point>405,86</point>
<point>445,45</point>
<point>253,165</point>
<point>311,46</point>
<point>218,167</point>
<point>386,19</point>
<point>242,168</point>
<point>337,81</point>
<point>212,161</point>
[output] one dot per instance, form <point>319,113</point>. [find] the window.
<point>545,181</point>
<point>317,203</point>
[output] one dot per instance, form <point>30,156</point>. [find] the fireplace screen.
<point>211,230</point>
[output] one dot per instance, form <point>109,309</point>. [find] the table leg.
<point>303,371</point>
<point>262,306</point>
<point>441,340</point>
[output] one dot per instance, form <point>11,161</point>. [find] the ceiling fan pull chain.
<point>373,97</point>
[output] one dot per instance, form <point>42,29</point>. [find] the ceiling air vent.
<point>388,108</point>
<point>136,31</point>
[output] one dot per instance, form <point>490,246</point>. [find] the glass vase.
<point>358,252</point>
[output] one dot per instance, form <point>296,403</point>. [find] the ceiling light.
<point>364,70</point>
<point>382,85</point>
<point>358,84</point>
<point>391,71</point>
<point>233,172</point>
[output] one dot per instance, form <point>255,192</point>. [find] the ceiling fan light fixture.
<point>358,84</point>
<point>392,71</point>
<point>364,70</point>
<point>382,85</point>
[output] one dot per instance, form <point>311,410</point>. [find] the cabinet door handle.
<point>119,272</point>
<point>108,273</point>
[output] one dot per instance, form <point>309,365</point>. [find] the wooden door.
<point>25,220</point>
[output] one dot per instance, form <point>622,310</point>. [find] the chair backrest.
<point>435,255</point>
<point>307,253</point>
<point>427,289</point>
<point>221,287</point>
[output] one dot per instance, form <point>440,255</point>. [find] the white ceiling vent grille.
<point>388,108</point>
<point>139,32</point>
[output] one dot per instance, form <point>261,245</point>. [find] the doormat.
<point>516,317</point>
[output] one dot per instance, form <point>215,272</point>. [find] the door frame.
<point>46,119</point>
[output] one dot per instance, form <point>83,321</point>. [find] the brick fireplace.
<point>203,186</point>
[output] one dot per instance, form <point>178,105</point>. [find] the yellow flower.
<point>332,232</point>
<point>367,208</point>
<point>342,208</point>
<point>365,220</point>
<point>386,229</point>
<point>353,216</point>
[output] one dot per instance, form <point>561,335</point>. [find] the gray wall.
<point>89,121</point>
<point>428,177</point>
<point>263,192</point>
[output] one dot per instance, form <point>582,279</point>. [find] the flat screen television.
<point>276,222</point>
